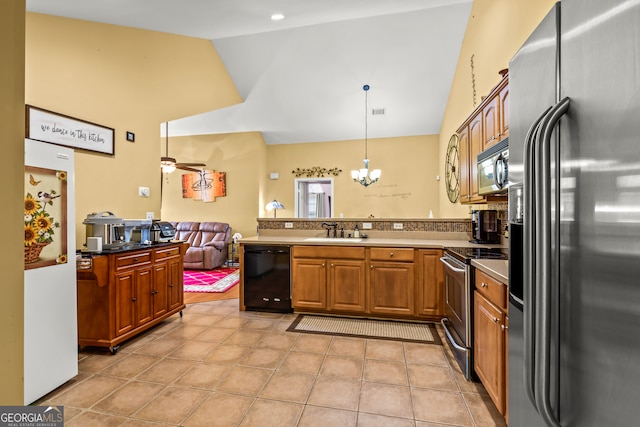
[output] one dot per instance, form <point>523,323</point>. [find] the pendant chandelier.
<point>364,176</point>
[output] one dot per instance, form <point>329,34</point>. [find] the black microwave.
<point>493,169</point>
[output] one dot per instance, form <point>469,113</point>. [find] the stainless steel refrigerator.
<point>574,213</point>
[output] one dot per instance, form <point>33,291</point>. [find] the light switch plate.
<point>366,226</point>
<point>397,226</point>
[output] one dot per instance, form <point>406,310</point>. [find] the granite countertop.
<point>498,269</point>
<point>126,247</point>
<point>370,241</point>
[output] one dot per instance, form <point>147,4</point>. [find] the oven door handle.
<point>450,337</point>
<point>452,267</point>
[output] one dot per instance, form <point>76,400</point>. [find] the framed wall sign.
<point>47,126</point>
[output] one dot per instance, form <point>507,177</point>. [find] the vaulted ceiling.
<point>301,77</point>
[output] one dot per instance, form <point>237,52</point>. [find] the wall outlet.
<point>366,226</point>
<point>288,225</point>
<point>397,226</point>
<point>143,191</point>
<point>149,215</point>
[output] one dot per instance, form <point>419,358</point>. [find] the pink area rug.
<point>216,280</point>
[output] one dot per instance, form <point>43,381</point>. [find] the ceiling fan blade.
<point>178,164</point>
<point>186,168</point>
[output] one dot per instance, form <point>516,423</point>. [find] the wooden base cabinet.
<point>382,282</point>
<point>490,338</point>
<point>328,278</point>
<point>430,295</point>
<point>392,281</point>
<point>125,293</point>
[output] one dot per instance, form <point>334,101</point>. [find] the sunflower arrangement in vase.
<point>39,225</point>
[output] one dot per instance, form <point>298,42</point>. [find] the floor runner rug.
<point>367,328</point>
<point>216,280</point>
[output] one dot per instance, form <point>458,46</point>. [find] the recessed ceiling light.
<point>277,17</point>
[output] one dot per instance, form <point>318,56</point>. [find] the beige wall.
<point>242,156</point>
<point>12,17</point>
<point>407,188</point>
<point>495,31</point>
<point>127,79</point>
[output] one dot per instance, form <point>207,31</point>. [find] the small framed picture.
<point>131,137</point>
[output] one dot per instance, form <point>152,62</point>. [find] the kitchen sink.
<point>334,239</point>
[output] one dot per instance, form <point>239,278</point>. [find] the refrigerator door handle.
<point>528,256</point>
<point>543,267</point>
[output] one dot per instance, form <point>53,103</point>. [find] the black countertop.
<point>126,247</point>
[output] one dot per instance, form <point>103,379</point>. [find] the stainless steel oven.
<point>457,321</point>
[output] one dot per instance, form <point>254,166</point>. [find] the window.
<point>313,197</point>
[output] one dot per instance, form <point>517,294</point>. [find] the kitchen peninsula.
<point>127,290</point>
<point>396,275</point>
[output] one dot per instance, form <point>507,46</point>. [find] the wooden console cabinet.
<point>125,293</point>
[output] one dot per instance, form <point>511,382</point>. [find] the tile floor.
<point>217,366</point>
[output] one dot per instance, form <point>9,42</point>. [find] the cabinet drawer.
<point>494,290</point>
<point>335,252</point>
<point>132,260</point>
<point>391,254</point>
<point>168,252</point>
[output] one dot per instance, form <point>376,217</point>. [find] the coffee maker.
<point>484,226</point>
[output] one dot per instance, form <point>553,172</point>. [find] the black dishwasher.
<point>267,278</point>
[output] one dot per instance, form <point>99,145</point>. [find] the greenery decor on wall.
<point>316,171</point>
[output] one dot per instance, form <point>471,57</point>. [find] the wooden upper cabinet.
<point>496,114</point>
<point>465,172</point>
<point>504,109</point>
<point>475,148</point>
<point>470,145</point>
<point>491,122</point>
<point>487,125</point>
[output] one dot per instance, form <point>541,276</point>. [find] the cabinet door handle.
<point>391,254</point>
<point>135,260</point>
<point>134,299</point>
<point>504,327</point>
<point>496,320</point>
<point>323,264</point>
<point>484,285</point>
<point>332,265</point>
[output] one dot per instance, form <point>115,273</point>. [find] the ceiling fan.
<point>169,164</point>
